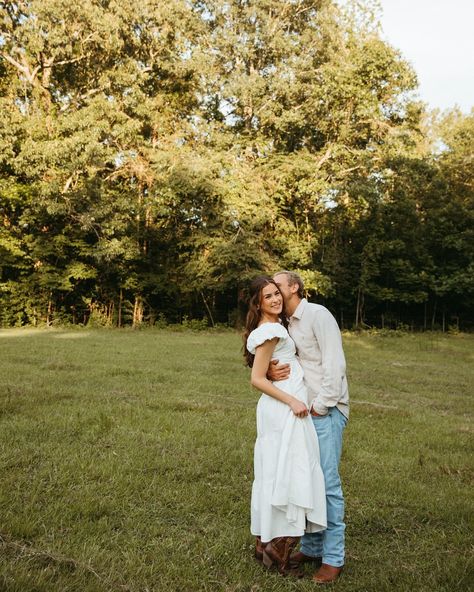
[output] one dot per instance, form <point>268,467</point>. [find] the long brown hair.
<point>254,315</point>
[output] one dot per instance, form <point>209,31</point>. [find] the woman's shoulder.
<point>265,332</point>
<point>275,329</point>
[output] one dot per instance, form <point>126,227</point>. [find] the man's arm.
<point>277,371</point>
<point>326,331</point>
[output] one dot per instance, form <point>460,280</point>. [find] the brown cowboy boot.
<point>278,552</point>
<point>299,558</point>
<point>259,546</point>
<point>327,574</point>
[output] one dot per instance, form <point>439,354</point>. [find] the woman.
<point>288,496</point>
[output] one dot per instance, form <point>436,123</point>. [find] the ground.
<point>126,463</point>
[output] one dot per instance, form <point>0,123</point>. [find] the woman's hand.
<point>298,408</point>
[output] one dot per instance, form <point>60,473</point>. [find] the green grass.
<point>126,463</point>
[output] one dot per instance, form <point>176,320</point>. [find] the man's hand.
<point>277,371</point>
<point>314,413</point>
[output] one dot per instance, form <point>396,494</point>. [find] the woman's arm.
<point>263,355</point>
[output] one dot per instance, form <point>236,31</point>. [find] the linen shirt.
<point>319,345</point>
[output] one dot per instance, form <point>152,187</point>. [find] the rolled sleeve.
<point>319,407</point>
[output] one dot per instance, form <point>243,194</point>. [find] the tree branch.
<point>326,156</point>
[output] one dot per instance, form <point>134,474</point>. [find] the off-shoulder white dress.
<point>288,495</point>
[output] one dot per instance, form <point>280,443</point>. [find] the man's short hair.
<point>293,278</point>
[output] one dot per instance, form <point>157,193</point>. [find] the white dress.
<point>288,494</point>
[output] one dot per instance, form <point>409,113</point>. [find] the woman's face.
<point>271,301</point>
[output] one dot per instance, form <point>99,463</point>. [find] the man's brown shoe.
<point>297,559</point>
<point>327,574</point>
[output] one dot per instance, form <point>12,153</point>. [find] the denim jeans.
<point>329,544</point>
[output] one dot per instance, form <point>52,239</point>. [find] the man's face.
<point>281,280</point>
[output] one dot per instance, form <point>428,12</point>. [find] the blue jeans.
<point>329,544</point>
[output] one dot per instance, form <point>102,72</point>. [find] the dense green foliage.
<point>126,463</point>
<point>156,155</point>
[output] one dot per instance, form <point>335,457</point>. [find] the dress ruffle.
<point>264,333</point>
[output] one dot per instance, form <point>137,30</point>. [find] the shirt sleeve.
<point>326,331</point>
<point>264,333</point>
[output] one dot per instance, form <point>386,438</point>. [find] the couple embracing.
<point>295,351</point>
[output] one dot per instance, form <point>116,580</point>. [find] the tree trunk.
<point>357,310</point>
<point>433,318</point>
<point>110,312</point>
<point>137,311</point>
<point>119,320</point>
<point>208,309</point>
<point>50,309</point>
<point>359,307</point>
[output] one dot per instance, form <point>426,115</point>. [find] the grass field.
<point>126,463</point>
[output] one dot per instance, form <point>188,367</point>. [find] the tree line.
<point>156,156</point>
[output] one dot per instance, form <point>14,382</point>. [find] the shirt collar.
<point>299,309</point>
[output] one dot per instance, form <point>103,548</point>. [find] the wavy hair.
<point>254,315</point>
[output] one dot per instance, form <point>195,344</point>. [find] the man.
<point>319,344</point>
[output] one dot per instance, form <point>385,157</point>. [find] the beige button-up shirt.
<point>318,341</point>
